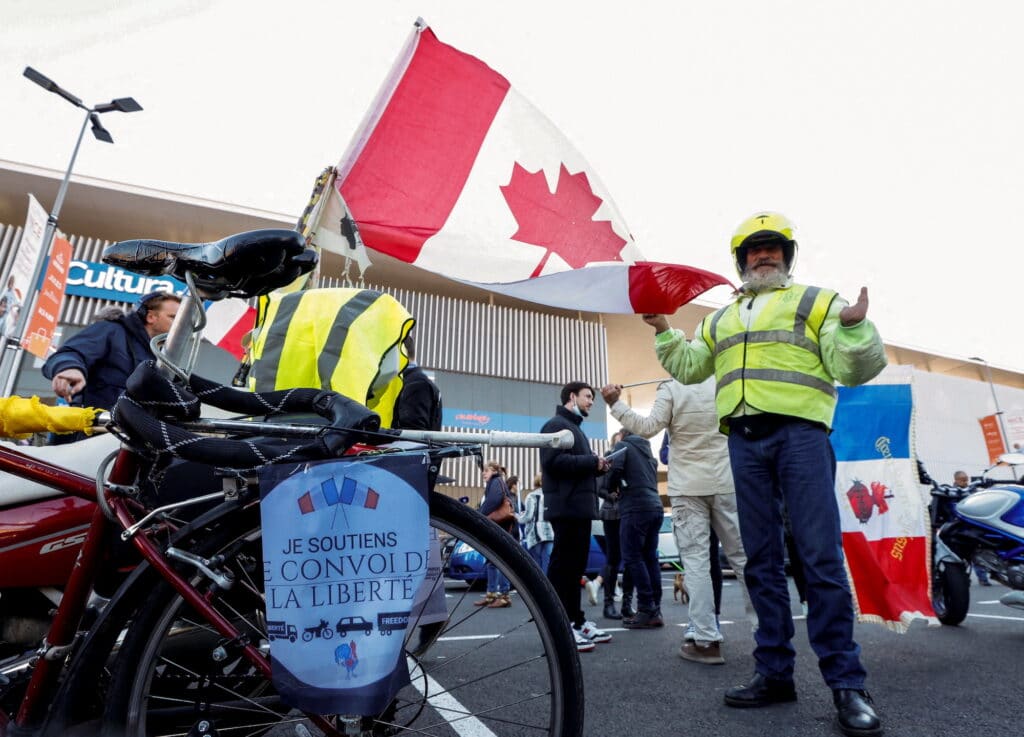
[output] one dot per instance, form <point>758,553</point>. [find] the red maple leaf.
<point>560,221</point>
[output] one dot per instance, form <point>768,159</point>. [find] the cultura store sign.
<point>100,281</point>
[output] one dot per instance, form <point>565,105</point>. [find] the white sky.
<point>890,132</point>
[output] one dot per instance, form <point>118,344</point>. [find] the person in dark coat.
<point>568,477</point>
<point>607,579</point>
<point>636,472</point>
<point>418,406</point>
<point>92,367</point>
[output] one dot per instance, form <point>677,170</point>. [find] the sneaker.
<point>500,602</point>
<point>707,653</point>
<point>583,644</point>
<point>644,621</point>
<point>591,587</point>
<point>592,633</point>
<point>626,610</point>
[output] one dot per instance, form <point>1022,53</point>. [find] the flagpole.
<point>644,383</point>
<point>376,109</point>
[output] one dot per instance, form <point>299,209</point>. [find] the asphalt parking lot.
<point>941,681</point>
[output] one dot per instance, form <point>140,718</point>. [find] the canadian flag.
<point>454,172</point>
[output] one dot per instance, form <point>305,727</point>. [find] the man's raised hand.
<point>658,322</point>
<point>852,314</point>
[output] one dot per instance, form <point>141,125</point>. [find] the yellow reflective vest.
<point>775,366</point>
<point>346,340</point>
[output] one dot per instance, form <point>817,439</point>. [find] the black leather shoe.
<point>610,612</point>
<point>760,691</point>
<point>856,716</point>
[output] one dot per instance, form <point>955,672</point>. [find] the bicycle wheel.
<point>513,671</point>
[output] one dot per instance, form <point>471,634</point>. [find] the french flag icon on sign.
<point>351,492</point>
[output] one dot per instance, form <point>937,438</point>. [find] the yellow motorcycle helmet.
<point>764,227</point>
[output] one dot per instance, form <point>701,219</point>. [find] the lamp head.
<point>121,104</point>
<point>101,133</point>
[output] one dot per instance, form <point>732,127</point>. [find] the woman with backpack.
<point>495,493</point>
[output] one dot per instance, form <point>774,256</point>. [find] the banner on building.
<point>993,437</point>
<point>16,289</point>
<point>886,536</point>
<point>43,322</point>
<point>1014,420</point>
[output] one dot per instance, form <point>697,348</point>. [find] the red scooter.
<point>41,532</point>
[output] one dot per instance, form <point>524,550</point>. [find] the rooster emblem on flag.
<point>863,500</point>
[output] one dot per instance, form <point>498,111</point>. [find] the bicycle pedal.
<point>203,728</point>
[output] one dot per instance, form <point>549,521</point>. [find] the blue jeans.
<point>541,552</point>
<point>795,464</point>
<point>638,536</point>
<point>496,581</point>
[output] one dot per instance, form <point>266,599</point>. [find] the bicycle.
<point>182,646</point>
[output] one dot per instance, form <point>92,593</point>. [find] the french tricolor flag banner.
<point>886,536</point>
<point>456,173</point>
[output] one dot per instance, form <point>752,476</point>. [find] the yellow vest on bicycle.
<point>775,366</point>
<point>346,340</point>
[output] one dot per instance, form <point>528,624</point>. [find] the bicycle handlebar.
<point>563,439</point>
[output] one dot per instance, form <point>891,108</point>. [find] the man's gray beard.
<point>753,282</point>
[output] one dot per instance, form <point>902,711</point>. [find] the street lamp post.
<point>995,400</point>
<point>10,359</point>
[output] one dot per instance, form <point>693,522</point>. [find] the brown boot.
<point>708,653</point>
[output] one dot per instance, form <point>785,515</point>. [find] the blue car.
<point>463,563</point>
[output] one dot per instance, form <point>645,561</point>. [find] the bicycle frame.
<point>177,355</point>
<point>60,638</point>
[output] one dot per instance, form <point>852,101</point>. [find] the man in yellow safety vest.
<point>776,353</point>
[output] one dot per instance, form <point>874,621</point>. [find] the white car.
<point>668,553</point>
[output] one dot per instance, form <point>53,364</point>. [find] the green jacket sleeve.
<point>688,362</point>
<point>852,355</point>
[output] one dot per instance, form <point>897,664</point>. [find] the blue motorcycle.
<point>981,524</point>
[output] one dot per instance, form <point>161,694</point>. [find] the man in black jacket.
<point>568,478</point>
<point>92,368</point>
<point>418,406</point>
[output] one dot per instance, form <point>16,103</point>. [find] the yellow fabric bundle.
<point>20,417</point>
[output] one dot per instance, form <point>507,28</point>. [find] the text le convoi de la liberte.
<point>351,568</point>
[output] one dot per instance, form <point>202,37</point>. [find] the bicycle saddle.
<point>244,265</point>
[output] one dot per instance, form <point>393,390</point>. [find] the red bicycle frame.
<point>64,626</point>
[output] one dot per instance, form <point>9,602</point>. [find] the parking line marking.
<point>447,707</point>
<point>996,616</point>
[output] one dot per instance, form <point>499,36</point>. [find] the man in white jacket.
<point>703,498</point>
